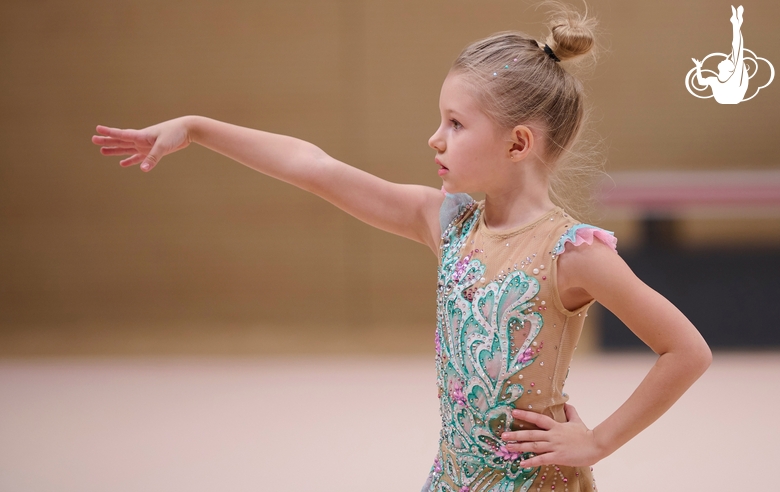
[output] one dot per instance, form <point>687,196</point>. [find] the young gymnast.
<point>517,272</point>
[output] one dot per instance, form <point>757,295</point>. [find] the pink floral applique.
<point>525,356</point>
<point>460,266</point>
<point>437,465</point>
<point>508,455</point>
<point>456,391</point>
<point>437,340</point>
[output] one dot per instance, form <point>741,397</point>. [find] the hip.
<point>461,470</point>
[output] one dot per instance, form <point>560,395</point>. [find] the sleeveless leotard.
<point>503,340</point>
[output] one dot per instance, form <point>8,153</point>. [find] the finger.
<point>539,460</point>
<point>126,135</point>
<point>523,436</point>
<point>118,150</point>
<point>132,160</point>
<point>542,421</point>
<point>571,413</point>
<point>530,447</point>
<point>153,157</point>
<point>107,141</point>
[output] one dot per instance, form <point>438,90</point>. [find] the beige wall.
<point>93,255</point>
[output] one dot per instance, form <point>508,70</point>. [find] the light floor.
<point>344,424</point>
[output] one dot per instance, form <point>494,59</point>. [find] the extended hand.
<point>561,443</point>
<point>697,62</point>
<point>148,145</point>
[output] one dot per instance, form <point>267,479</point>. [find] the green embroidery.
<point>476,358</point>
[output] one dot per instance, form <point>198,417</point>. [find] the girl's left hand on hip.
<point>561,443</point>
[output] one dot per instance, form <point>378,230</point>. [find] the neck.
<point>521,202</point>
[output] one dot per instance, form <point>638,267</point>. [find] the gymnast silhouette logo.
<point>730,84</point>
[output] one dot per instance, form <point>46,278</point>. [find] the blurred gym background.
<point>139,311</point>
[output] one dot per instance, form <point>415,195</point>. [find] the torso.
<point>504,340</point>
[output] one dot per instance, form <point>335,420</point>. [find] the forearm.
<point>286,158</point>
<point>672,374</point>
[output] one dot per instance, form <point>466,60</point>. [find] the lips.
<point>440,164</point>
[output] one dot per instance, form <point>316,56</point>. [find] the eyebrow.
<point>453,112</point>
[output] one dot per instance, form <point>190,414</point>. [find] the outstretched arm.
<point>683,358</point>
<point>407,210</point>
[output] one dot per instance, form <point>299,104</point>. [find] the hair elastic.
<point>549,51</point>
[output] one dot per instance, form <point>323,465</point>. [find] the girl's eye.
<point>456,124</point>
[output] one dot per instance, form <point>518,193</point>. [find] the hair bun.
<point>571,33</point>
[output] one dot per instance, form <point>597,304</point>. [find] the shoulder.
<point>443,213</point>
<point>456,218</point>
<point>583,252</point>
<point>587,258</point>
<point>453,208</point>
<point>455,212</point>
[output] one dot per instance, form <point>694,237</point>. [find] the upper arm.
<point>407,210</point>
<point>601,272</point>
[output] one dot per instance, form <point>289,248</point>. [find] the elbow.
<point>708,356</point>
<point>698,353</point>
<point>694,356</point>
<point>702,355</point>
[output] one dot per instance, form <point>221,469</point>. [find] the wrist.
<point>193,126</point>
<point>602,444</point>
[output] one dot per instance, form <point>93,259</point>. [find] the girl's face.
<point>467,141</point>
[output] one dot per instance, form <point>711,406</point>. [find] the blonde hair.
<point>517,82</point>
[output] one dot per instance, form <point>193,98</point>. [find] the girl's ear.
<point>522,140</point>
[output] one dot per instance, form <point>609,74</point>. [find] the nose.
<point>435,142</point>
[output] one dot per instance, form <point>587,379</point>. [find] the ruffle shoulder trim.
<point>452,208</point>
<point>584,233</point>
